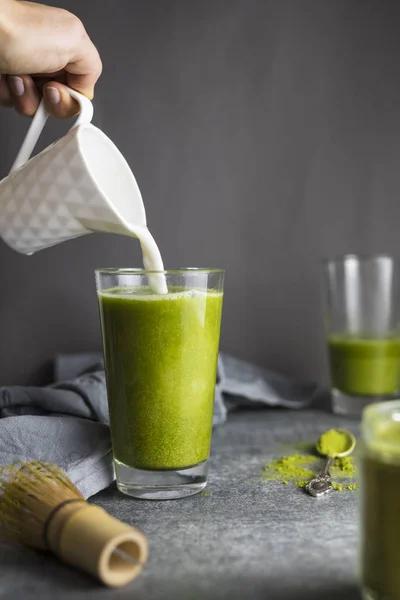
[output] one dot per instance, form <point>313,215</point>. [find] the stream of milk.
<point>152,260</point>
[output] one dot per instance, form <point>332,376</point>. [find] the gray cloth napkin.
<point>67,423</point>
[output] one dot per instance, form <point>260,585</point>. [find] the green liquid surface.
<point>161,358</point>
<point>365,366</point>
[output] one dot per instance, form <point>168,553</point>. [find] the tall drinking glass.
<point>362,296</point>
<point>379,470</point>
<point>161,355</point>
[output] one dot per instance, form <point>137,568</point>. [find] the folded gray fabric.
<point>67,423</point>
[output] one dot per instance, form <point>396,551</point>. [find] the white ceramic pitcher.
<point>78,185</point>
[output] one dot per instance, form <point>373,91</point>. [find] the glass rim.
<point>362,257</point>
<point>138,271</point>
<point>375,415</point>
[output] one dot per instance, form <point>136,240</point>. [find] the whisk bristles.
<point>29,493</point>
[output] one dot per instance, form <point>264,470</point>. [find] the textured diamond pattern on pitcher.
<point>51,199</point>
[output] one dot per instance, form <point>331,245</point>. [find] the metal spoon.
<point>321,484</point>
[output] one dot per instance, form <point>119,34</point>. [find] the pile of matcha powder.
<point>299,469</point>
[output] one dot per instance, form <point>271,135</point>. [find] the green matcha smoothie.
<point>161,358</point>
<point>364,366</point>
<point>380,496</point>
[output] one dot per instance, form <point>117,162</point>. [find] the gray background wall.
<point>264,135</point>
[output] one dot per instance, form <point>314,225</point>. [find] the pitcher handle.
<point>39,121</point>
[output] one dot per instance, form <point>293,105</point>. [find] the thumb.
<point>58,101</point>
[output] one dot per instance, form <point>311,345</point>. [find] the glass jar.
<point>380,501</point>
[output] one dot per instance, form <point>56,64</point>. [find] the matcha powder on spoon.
<point>333,443</point>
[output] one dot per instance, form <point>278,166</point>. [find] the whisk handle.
<point>86,536</point>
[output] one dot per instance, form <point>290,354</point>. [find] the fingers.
<point>24,94</point>
<point>19,92</point>
<point>58,101</point>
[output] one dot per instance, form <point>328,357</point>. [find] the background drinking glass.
<point>161,355</point>
<point>362,320</point>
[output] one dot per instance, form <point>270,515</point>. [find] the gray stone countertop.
<point>246,539</point>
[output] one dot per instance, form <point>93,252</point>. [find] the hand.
<point>41,48</point>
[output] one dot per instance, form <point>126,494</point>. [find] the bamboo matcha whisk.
<point>40,507</point>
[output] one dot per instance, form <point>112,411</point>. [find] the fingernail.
<point>17,85</point>
<point>52,95</point>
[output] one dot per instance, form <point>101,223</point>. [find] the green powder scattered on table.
<point>352,486</point>
<point>344,467</point>
<point>293,465</point>
<point>290,468</point>
<point>340,487</point>
<point>299,469</point>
